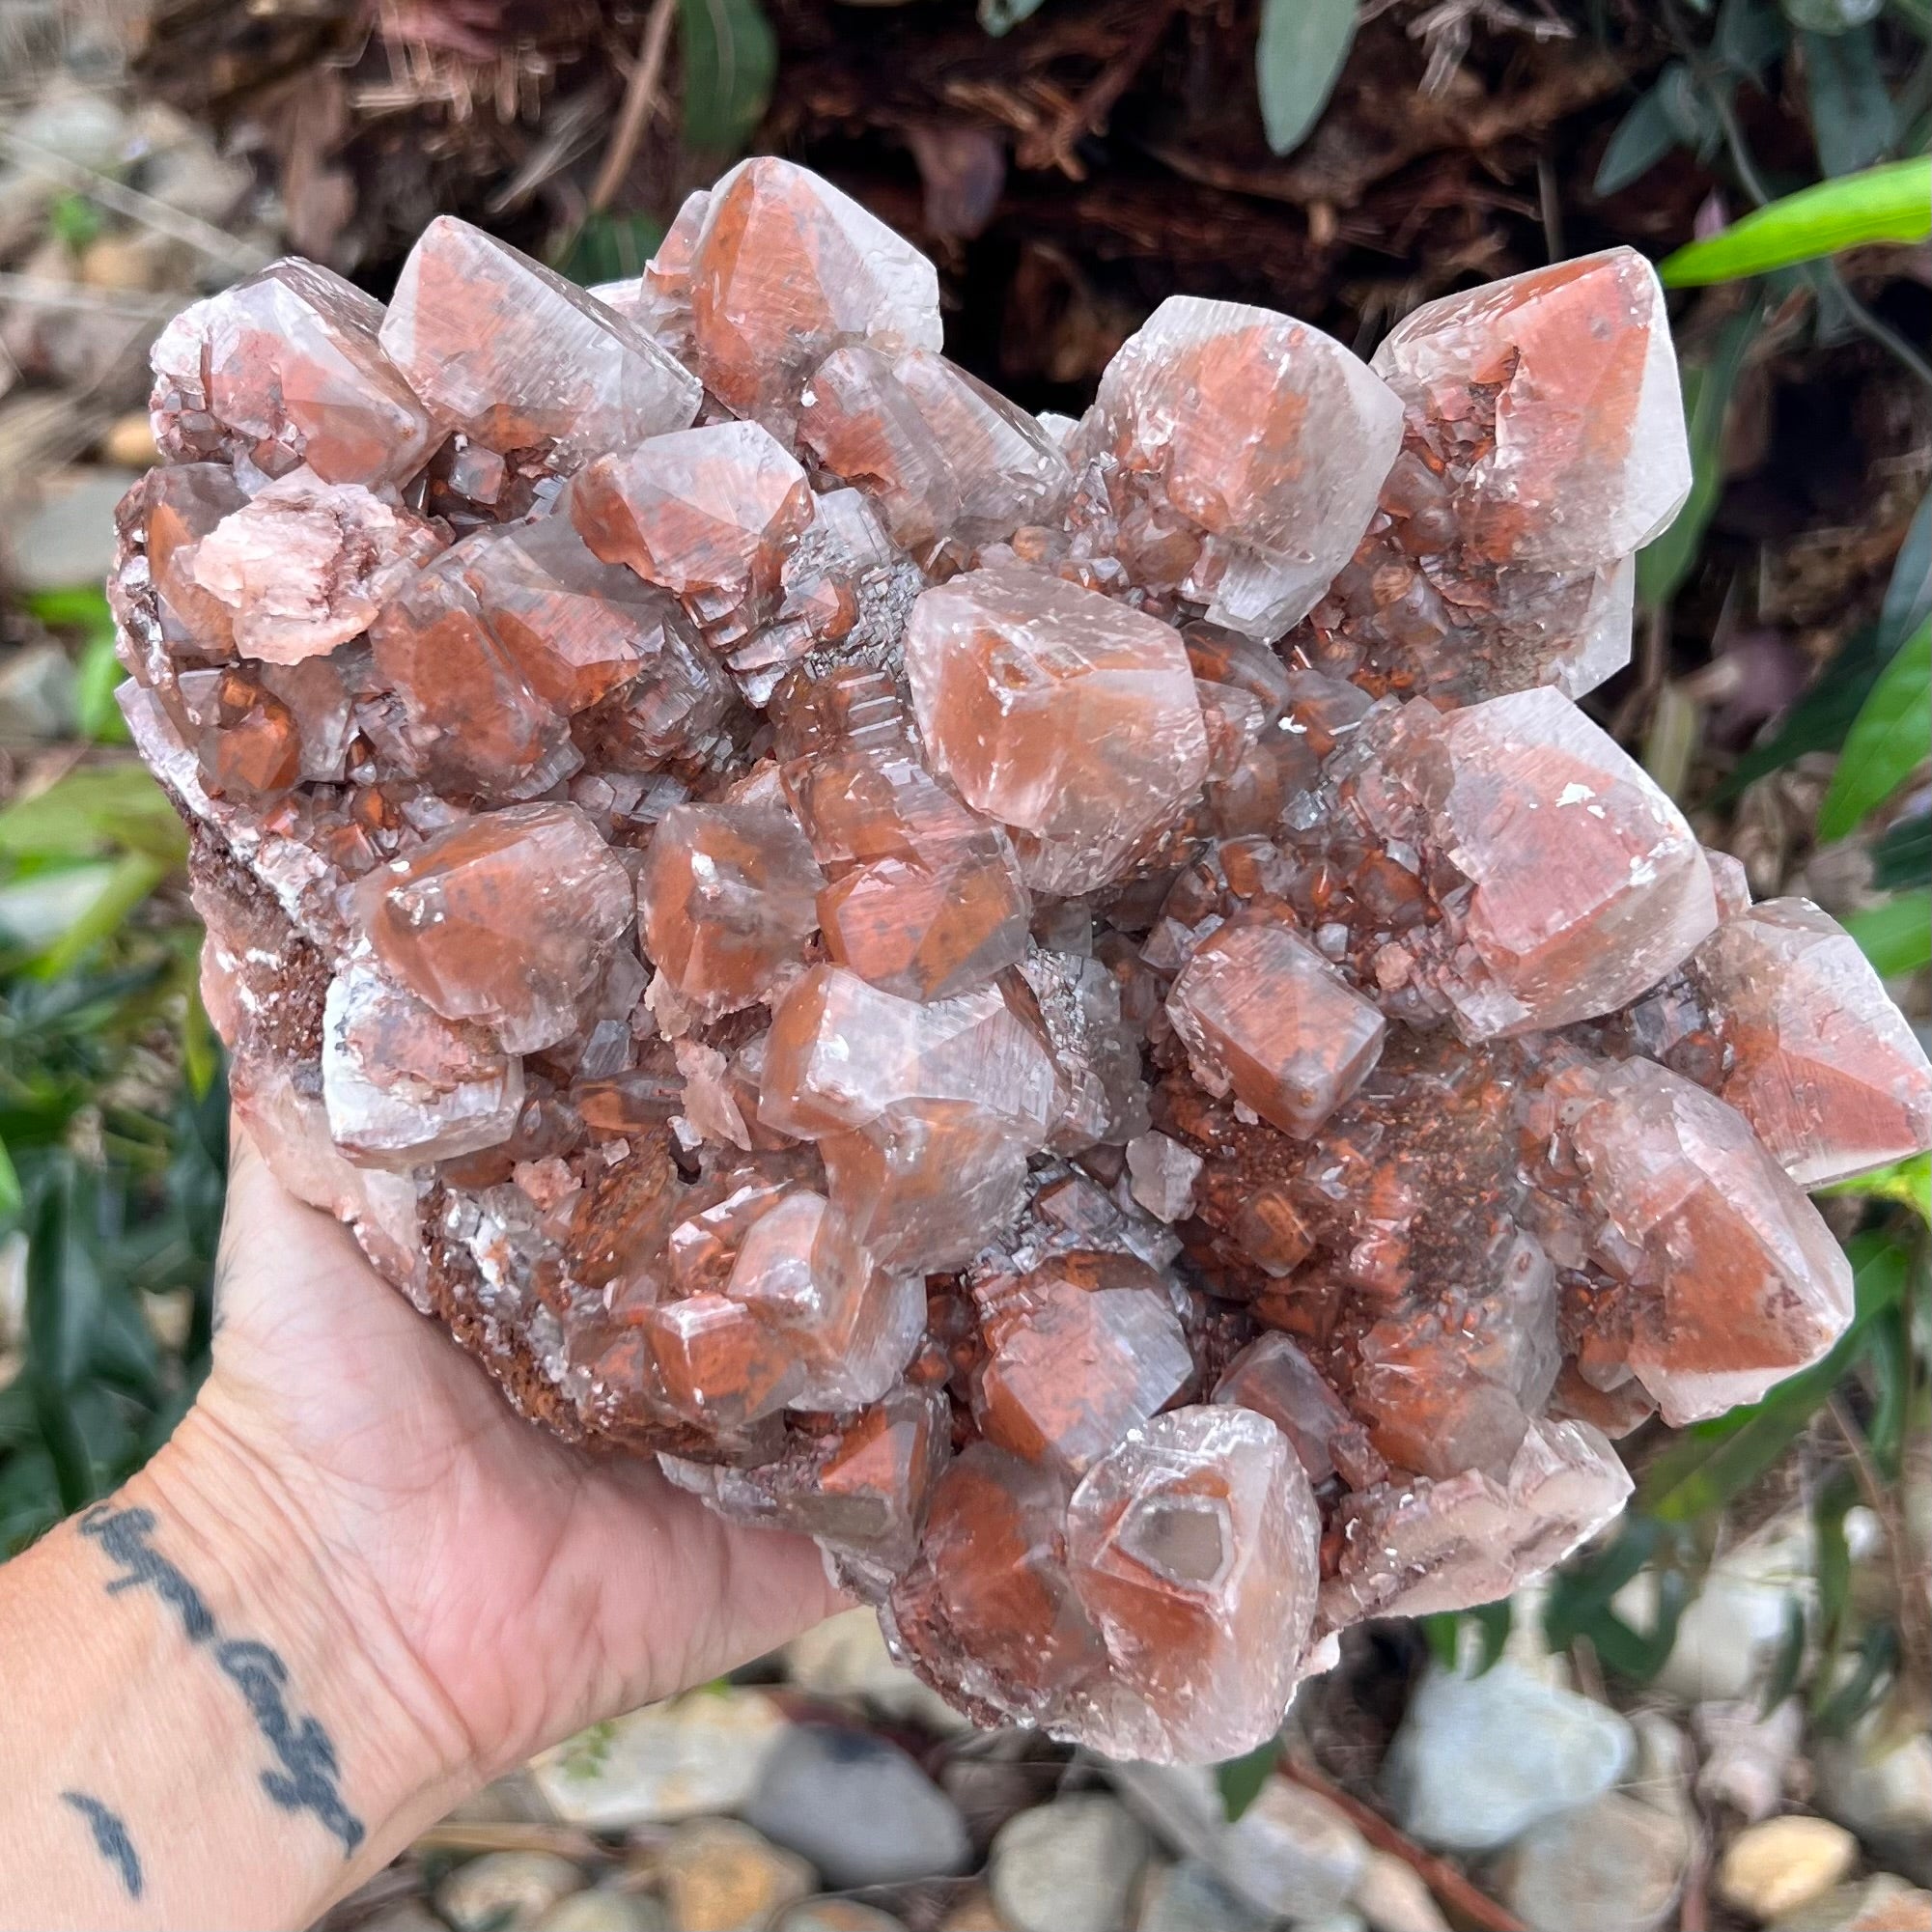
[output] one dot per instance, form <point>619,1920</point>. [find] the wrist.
<point>279,1577</point>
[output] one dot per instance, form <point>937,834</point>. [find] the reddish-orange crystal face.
<point>1064,715</point>
<point>727,895</point>
<point>1583,466</point>
<point>501,919</point>
<point>1263,1013</point>
<point>1069,1008</point>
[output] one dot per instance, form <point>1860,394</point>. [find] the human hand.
<point>537,1587</point>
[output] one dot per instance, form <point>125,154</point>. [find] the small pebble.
<point>604,1911</point>
<point>1068,1866</point>
<point>1775,1867</point>
<point>1391,1897</point>
<point>506,1891</point>
<point>1881,1903</point>
<point>838,1914</point>
<point>721,1876</point>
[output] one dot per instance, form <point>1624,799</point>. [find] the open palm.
<point>540,1587</point>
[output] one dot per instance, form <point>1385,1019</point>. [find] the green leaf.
<point>1887,204</point>
<point>1890,738</point>
<point>1896,936</point>
<point>94,809</point>
<point>1664,562</point>
<point>1644,135</point>
<point>1493,1620</point>
<point>1908,591</point>
<point>1908,1181</point>
<point>73,221</point>
<point>731,58</point>
<point>1788,1662</point>
<point>1851,115</point>
<point>608,247</point>
<point>1001,17</point>
<point>1750,35</point>
<point>129,880</point>
<point>1298,59</point>
<point>99,677</point>
<point>1903,855</point>
<point>9,1185</point>
<point>1240,1778</point>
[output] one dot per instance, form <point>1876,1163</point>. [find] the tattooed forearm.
<point>123,1535</point>
<point>309,1777</point>
<point>307,1780</point>
<point>110,1837</point>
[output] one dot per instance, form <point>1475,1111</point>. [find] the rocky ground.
<point>830,1792</point>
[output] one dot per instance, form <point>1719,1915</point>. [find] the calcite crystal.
<point>1073,1010</point>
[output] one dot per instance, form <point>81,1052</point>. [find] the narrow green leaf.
<point>1298,59</point>
<point>1441,1632</point>
<point>731,58</point>
<point>1903,855</point>
<point>1890,738</point>
<point>1852,119</point>
<point>1494,1621</point>
<point>129,880</point>
<point>1892,1378</point>
<point>1896,936</point>
<point>1788,1662</point>
<point>1908,591</point>
<point>1886,204</point>
<point>99,676</point>
<point>1240,1778</point>
<point>1001,17</point>
<point>9,1185</point>
<point>1663,564</point>
<point>1643,137</point>
<point>1750,35</point>
<point>93,810</point>
<point>1836,1710</point>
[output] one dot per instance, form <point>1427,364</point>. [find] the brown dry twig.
<point>641,97</point>
<point>1450,1886</point>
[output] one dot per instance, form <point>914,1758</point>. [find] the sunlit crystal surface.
<point>1071,1010</point>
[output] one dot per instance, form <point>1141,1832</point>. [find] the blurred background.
<point>1715,1717</point>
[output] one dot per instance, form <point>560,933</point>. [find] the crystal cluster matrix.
<point>1071,1009</point>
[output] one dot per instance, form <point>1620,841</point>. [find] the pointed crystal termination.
<point>1193,1546</point>
<point>306,564</point>
<point>1259,435</point>
<point>1261,1012</point>
<point>709,513</point>
<point>1415,1548</point>
<point>1730,1280</point>
<point>1825,1069</point>
<point>286,369</point>
<point>943,455</point>
<point>785,269</point>
<point>1588,458</point>
<point>578,630</point>
<point>726,897</point>
<point>1588,885</point>
<point>1067,716</point>
<point>517,359</point>
<point>507,918</point>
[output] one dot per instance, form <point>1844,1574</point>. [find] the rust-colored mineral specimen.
<point>1072,1009</point>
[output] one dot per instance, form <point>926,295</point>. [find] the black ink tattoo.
<point>310,1775</point>
<point>110,1837</point>
<point>123,1535</point>
<point>307,1780</point>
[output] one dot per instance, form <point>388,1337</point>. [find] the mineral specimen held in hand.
<point>1071,1010</point>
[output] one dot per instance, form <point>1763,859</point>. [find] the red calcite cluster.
<point>1071,1009</point>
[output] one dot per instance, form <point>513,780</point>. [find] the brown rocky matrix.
<point>1071,1009</point>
